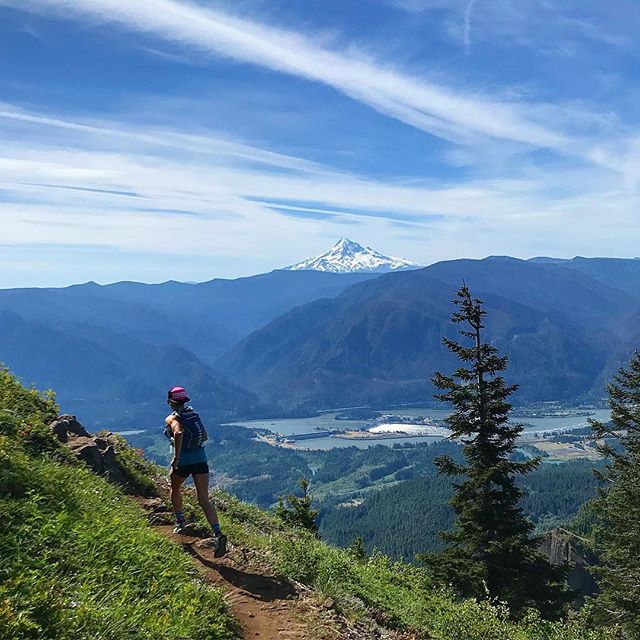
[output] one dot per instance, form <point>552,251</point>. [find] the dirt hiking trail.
<point>265,607</point>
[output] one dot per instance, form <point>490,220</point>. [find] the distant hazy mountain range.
<point>110,351</point>
<point>347,256</point>
<point>297,340</point>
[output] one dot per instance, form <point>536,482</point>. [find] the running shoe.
<point>221,547</point>
<point>180,527</point>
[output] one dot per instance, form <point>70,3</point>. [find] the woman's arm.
<point>176,427</point>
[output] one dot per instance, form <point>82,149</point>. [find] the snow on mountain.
<point>347,256</point>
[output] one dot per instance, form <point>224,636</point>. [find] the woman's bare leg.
<point>175,493</point>
<point>201,481</point>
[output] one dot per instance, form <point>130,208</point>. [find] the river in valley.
<point>327,421</point>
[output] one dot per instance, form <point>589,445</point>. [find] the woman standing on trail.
<point>188,434</point>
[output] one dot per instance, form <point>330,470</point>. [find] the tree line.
<point>386,519</point>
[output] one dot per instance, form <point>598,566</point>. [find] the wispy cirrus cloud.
<point>536,24</point>
<point>140,136</point>
<point>466,35</point>
<point>458,116</point>
<point>147,192</point>
<point>129,165</point>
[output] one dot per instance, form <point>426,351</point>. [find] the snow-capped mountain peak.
<point>347,256</point>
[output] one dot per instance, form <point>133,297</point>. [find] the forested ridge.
<point>379,341</point>
<point>392,519</point>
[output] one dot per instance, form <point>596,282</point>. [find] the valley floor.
<point>419,425</point>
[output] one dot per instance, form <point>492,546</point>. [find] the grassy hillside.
<point>79,561</point>
<point>400,595</point>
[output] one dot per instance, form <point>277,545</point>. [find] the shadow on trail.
<point>260,587</point>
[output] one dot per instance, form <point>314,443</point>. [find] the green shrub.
<point>298,511</point>
<point>37,439</point>
<point>9,423</point>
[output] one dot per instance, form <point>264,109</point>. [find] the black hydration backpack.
<point>194,433</point>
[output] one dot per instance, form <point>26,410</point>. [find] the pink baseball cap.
<point>178,395</point>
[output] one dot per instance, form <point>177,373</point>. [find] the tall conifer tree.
<point>618,506</point>
<point>492,553</point>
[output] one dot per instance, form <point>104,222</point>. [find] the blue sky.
<point>190,140</point>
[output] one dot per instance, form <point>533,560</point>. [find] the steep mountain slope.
<point>347,256</point>
<point>111,379</point>
<point>552,288</point>
<point>132,318</point>
<point>78,560</point>
<point>380,341</point>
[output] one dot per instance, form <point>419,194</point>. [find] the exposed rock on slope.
<point>99,453</point>
<point>562,546</point>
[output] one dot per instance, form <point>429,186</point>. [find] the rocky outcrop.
<point>562,546</point>
<point>98,453</point>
